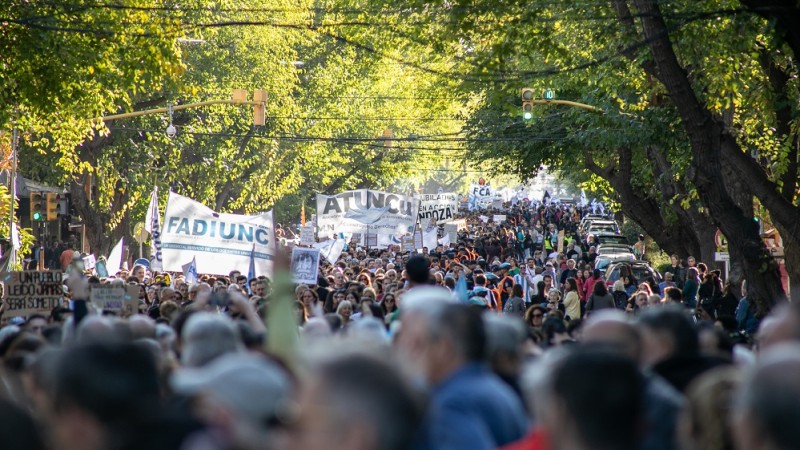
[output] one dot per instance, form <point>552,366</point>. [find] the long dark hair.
<point>573,284</point>
<point>600,289</point>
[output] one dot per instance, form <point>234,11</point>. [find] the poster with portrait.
<point>305,265</point>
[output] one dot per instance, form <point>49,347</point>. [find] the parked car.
<point>608,238</point>
<point>603,261</point>
<point>640,270</point>
<point>612,248</point>
<point>602,226</point>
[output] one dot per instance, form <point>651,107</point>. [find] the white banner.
<point>220,242</point>
<point>364,211</point>
<point>439,207</point>
<point>331,249</point>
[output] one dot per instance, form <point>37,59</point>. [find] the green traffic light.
<point>37,216</point>
<point>527,115</point>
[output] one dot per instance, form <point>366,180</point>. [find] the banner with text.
<point>220,242</point>
<point>480,196</point>
<point>120,298</point>
<point>439,207</point>
<point>365,210</point>
<point>31,292</point>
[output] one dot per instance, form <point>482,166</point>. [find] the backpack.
<point>620,299</point>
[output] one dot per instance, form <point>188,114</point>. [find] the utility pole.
<point>13,191</point>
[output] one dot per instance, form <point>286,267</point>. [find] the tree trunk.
<point>673,237</point>
<point>706,135</point>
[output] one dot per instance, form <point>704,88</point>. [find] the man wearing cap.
<point>242,397</point>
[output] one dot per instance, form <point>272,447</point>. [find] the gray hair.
<point>207,336</point>
<point>504,335</point>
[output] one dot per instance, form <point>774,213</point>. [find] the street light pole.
<point>13,190</point>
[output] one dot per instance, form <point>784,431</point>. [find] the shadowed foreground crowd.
<point>426,372</point>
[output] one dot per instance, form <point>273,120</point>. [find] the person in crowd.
<point>672,346</point>
<point>534,317</point>
<point>505,349</point>
<point>443,345</point>
<point>765,409</point>
<point>515,305</point>
<point>595,401</point>
<point>663,404</point>
<point>600,298</point>
<point>572,301</point>
<point>356,402</point>
<point>705,422</point>
<point>620,294</point>
<point>691,287</point>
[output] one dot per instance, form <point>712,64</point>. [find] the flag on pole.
<point>114,261</point>
<point>251,271</point>
<point>190,271</point>
<point>584,200</point>
<point>461,289</point>
<point>152,225</point>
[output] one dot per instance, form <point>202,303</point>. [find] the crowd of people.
<point>498,340</point>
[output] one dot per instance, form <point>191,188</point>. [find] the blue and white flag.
<point>190,271</point>
<point>152,225</point>
<point>251,270</point>
<point>584,201</point>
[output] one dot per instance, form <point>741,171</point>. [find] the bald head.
<point>613,329</point>
<point>782,326</point>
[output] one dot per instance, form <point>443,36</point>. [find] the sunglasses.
<point>538,315</point>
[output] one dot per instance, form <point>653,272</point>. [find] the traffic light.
<point>527,110</point>
<point>52,205</point>
<point>37,207</point>
<point>260,109</point>
<point>527,103</point>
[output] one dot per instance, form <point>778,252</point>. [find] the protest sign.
<point>89,262</point>
<point>430,238</point>
<point>307,235</point>
<point>497,203</point>
<point>372,241</point>
<point>418,236</point>
<point>451,231</point>
<point>305,265</point>
<point>118,298</point>
<point>439,207</point>
<point>408,242</point>
<point>31,292</point>
<point>499,218</point>
<point>560,241</point>
<point>461,224</point>
<point>365,210</point>
<point>480,196</point>
<point>220,242</point>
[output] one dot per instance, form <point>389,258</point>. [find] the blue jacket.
<point>472,410</point>
<point>746,317</point>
